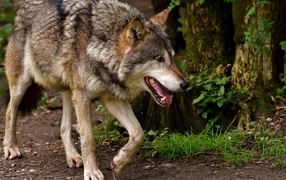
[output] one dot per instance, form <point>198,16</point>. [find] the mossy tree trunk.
<point>259,58</point>
<point>208,33</point>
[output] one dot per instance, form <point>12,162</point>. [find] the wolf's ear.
<point>135,31</point>
<point>160,18</point>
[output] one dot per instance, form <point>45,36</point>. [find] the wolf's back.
<point>58,28</point>
<point>40,17</point>
<point>60,31</point>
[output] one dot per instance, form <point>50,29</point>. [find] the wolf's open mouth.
<point>158,91</point>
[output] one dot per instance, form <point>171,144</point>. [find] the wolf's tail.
<point>30,99</point>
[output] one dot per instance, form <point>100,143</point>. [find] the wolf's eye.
<point>160,59</point>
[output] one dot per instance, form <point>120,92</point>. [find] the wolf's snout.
<point>184,85</point>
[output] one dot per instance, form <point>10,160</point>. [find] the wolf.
<point>88,49</point>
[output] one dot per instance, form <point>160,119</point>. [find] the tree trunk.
<point>209,34</point>
<point>259,58</point>
<point>209,44</point>
<point>252,69</point>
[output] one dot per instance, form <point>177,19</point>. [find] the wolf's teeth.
<point>163,99</point>
<point>152,82</point>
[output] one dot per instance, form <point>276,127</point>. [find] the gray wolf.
<point>88,49</point>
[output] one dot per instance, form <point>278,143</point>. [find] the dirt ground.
<point>44,157</point>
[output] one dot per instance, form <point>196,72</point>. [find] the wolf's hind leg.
<point>10,143</point>
<point>18,84</point>
<point>73,157</point>
<point>124,114</point>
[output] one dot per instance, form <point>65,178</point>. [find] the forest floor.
<point>44,157</point>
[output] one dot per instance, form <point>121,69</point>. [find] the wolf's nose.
<point>184,85</point>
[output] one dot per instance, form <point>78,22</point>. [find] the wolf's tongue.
<point>162,92</point>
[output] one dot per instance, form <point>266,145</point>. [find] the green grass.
<point>235,147</point>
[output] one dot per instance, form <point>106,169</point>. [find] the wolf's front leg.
<point>124,114</point>
<point>82,106</point>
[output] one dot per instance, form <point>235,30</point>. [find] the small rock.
<point>147,167</point>
<point>167,165</point>
<point>35,153</point>
<point>27,150</point>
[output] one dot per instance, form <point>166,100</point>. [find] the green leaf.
<point>201,1</point>
<point>199,111</point>
<point>191,77</point>
<point>250,12</point>
<point>222,81</point>
<point>152,133</point>
<point>205,114</point>
<point>173,4</point>
<point>207,87</point>
<point>229,94</point>
<point>283,79</point>
<point>198,99</point>
<point>221,91</point>
<point>283,46</point>
<point>205,102</point>
<point>265,23</point>
<point>221,102</point>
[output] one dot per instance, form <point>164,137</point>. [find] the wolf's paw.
<point>95,174</point>
<point>74,161</point>
<point>120,161</point>
<point>116,170</point>
<point>12,152</point>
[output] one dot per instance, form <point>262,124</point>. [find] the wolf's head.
<point>147,59</point>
